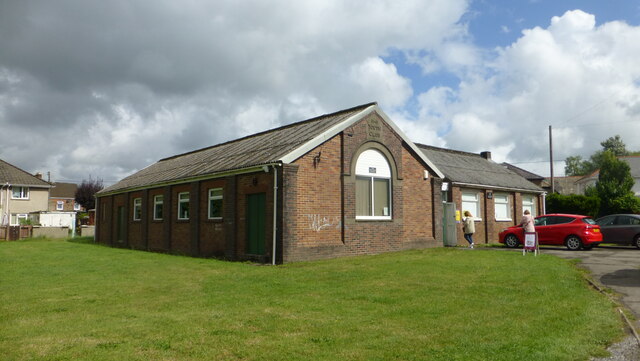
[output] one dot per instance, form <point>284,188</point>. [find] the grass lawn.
<point>62,300</point>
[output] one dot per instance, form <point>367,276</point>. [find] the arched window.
<point>373,186</point>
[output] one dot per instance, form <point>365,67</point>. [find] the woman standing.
<point>468,227</point>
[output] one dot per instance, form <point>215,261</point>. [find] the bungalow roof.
<point>277,146</point>
<point>470,169</point>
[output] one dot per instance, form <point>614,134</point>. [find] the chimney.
<point>38,175</point>
<point>486,155</point>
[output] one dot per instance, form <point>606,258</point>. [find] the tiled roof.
<point>259,149</point>
<point>63,190</point>
<point>473,169</point>
<point>16,176</point>
<point>523,172</point>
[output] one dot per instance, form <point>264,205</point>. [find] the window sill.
<point>504,220</point>
<point>373,218</point>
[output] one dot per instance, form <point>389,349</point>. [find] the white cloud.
<point>578,77</point>
<point>140,81</point>
<point>381,81</point>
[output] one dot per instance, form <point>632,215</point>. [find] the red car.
<point>573,231</point>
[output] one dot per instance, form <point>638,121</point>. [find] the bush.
<point>573,204</point>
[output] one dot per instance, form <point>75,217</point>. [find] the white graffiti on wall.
<point>318,222</point>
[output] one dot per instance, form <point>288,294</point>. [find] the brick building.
<point>346,183</point>
<point>494,194</point>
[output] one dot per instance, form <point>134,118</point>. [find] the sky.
<point>101,89</point>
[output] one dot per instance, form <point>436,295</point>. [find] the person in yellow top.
<point>468,228</point>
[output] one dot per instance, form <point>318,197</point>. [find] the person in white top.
<point>527,222</point>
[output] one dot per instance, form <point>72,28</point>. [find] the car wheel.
<point>636,241</point>
<point>573,243</point>
<point>511,241</point>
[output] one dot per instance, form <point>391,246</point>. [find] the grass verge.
<point>63,300</point>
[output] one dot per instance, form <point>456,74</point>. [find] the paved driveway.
<point>617,268</point>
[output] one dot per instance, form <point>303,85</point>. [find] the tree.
<point>614,185</point>
<point>575,165</point>
<point>85,194</point>
<point>615,145</point>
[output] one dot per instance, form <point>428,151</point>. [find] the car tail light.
<point>594,229</point>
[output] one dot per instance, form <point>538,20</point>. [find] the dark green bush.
<point>573,204</point>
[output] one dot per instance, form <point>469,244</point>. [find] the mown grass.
<point>62,300</point>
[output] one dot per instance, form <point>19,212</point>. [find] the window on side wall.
<point>158,203</point>
<point>17,219</point>
<point>502,206</point>
<point>373,186</point>
<point>529,203</point>
<point>215,203</point>
<point>137,209</point>
<point>20,193</point>
<point>183,205</point>
<point>59,205</point>
<point>76,206</point>
<point>471,203</point>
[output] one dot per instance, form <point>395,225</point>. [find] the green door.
<point>256,217</point>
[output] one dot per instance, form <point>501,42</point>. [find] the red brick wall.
<point>156,227</point>
<point>319,209</point>
<point>180,230</point>
<point>488,229</point>
<point>323,195</point>
<point>418,206</point>
<point>212,237</point>
<point>135,227</point>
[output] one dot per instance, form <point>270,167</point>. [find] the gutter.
<point>275,213</point>
<point>7,213</point>
<point>484,186</point>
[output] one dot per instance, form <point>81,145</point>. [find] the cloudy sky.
<point>103,88</point>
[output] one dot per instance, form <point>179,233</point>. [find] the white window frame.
<point>214,197</point>
<point>183,198</point>
<point>373,165</point>
<point>76,206</point>
<point>59,205</point>
<point>158,201</point>
<point>16,217</point>
<point>23,192</point>
<point>502,206</point>
<point>470,201</point>
<point>137,209</point>
<point>529,203</point>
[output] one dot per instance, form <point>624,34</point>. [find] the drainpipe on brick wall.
<point>275,213</point>
<point>7,215</point>
<point>544,203</point>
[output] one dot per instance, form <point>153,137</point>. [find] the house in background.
<point>565,185</point>
<point>62,198</point>
<point>578,184</point>
<point>495,195</point>
<point>531,177</point>
<point>346,183</point>
<point>21,194</point>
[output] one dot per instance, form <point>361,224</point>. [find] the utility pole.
<point>553,188</point>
